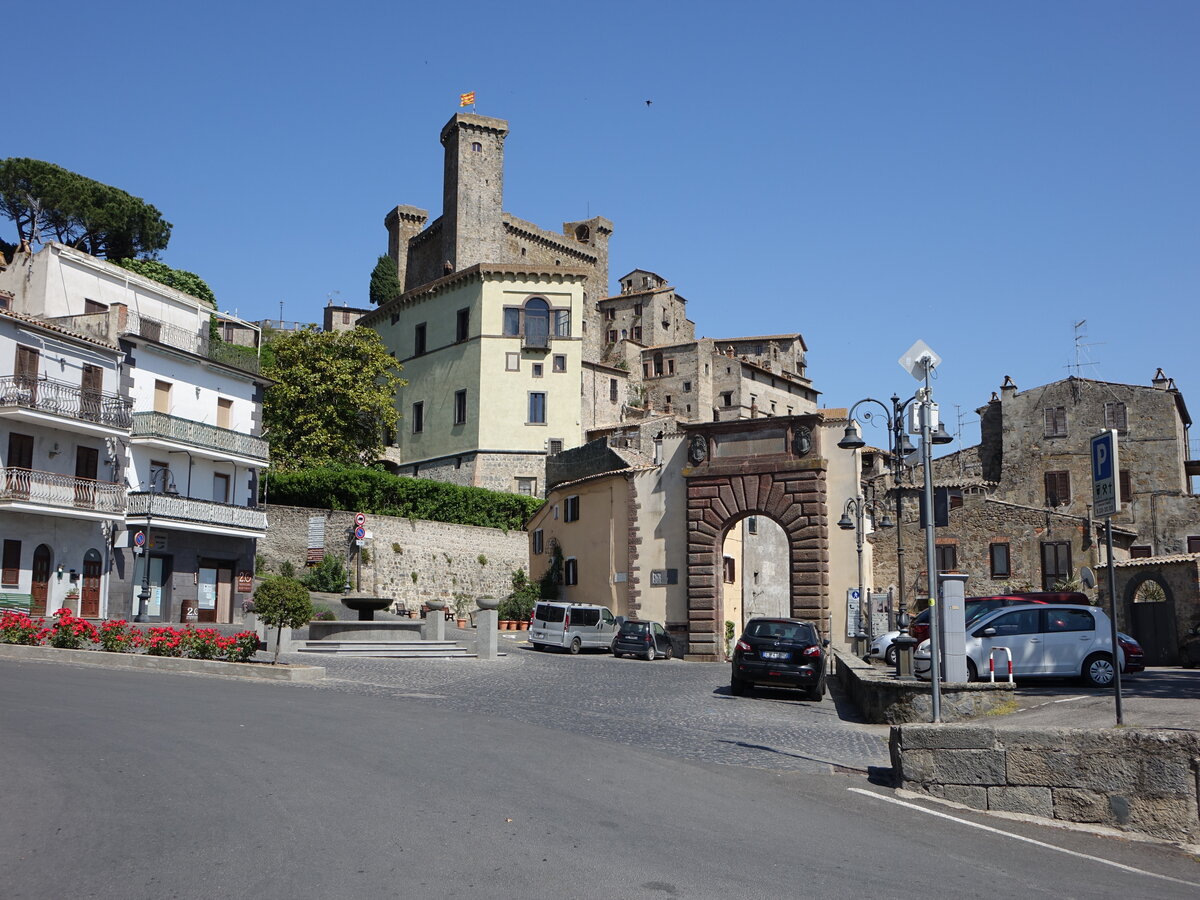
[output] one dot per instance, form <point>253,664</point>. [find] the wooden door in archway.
<point>89,597</point>
<point>43,560</point>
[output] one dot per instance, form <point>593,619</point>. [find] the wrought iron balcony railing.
<point>62,399</point>
<point>156,424</point>
<point>121,321</point>
<point>172,507</point>
<point>64,491</point>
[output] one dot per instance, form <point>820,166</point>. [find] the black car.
<point>647,639</point>
<point>779,653</point>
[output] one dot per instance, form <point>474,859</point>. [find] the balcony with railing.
<point>71,401</point>
<point>203,515</point>
<point>120,321</point>
<point>62,492</point>
<point>148,426</point>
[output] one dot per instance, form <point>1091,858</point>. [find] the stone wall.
<point>972,529</point>
<point>410,560</point>
<point>1136,780</point>
<point>883,699</point>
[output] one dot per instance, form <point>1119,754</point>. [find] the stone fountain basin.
<point>366,607</point>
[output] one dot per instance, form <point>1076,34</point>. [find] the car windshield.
<point>635,628</point>
<point>782,631</point>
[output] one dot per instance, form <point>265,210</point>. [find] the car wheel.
<point>1098,670</point>
<point>972,672</point>
<point>613,648</point>
<point>737,687</point>
<point>817,693</point>
<point>669,653</point>
<point>575,647</point>
<point>891,655</point>
<point>651,654</point>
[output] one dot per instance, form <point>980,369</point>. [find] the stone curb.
<point>107,660</point>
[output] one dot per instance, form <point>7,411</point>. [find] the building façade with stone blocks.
<point>512,349</point>
<point>1020,515</point>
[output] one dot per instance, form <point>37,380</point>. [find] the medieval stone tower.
<point>473,190</point>
<point>474,228</point>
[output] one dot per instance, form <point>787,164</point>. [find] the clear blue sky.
<point>979,175</point>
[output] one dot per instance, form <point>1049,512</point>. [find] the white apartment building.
<point>187,458</point>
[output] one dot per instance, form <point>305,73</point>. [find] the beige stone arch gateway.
<point>770,467</point>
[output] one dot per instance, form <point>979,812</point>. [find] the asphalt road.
<point>132,784</point>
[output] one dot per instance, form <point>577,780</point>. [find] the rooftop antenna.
<point>1082,350</point>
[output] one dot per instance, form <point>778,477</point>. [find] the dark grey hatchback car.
<point>779,653</point>
<point>646,639</point>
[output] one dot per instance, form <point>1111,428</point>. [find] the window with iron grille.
<point>1056,563</point>
<point>554,445</point>
<point>1058,488</point>
<point>1055,421</point>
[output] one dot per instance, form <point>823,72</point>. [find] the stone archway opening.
<point>754,572</point>
<point>1150,606</point>
<point>767,470</point>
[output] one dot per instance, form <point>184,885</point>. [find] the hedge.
<point>380,493</point>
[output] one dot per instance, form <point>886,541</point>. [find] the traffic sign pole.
<point>1106,502</point>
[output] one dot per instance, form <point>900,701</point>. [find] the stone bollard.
<point>433,626</point>
<point>486,640</point>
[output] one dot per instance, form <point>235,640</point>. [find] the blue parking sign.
<point>1106,497</point>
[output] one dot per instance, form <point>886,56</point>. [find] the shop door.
<point>89,598</point>
<point>206,594</point>
<point>42,561</point>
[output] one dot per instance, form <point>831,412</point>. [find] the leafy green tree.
<point>281,601</point>
<point>180,279</point>
<point>333,399</point>
<point>46,201</point>
<point>385,282</point>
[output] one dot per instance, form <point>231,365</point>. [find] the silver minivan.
<point>573,626</point>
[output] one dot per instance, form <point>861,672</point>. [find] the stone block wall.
<point>883,699</point>
<point>410,560</point>
<point>1135,780</point>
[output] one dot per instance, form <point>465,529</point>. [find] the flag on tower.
<point>467,99</point>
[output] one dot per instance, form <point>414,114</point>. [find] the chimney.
<point>1160,380</point>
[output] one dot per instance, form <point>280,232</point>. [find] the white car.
<point>1045,640</point>
<point>883,648</point>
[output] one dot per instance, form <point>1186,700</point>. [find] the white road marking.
<point>1017,837</point>
<point>1067,699</point>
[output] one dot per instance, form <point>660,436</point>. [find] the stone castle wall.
<point>411,560</point>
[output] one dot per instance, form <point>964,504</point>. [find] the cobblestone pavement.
<point>680,708</point>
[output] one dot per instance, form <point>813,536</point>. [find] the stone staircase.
<point>389,649</point>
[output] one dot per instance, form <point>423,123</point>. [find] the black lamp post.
<point>900,447</point>
<point>144,594</point>
<point>857,506</point>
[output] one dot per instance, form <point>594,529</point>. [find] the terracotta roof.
<point>597,476</point>
<point>1156,560</point>
<point>57,329</point>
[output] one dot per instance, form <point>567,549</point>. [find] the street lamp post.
<point>144,594</point>
<point>919,361</point>
<point>857,506</point>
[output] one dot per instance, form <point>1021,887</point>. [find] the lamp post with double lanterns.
<point>858,506</point>
<point>899,447</point>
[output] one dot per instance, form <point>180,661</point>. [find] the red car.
<point>1134,654</point>
<point>978,606</point>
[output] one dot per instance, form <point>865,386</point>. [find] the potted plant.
<point>462,609</point>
